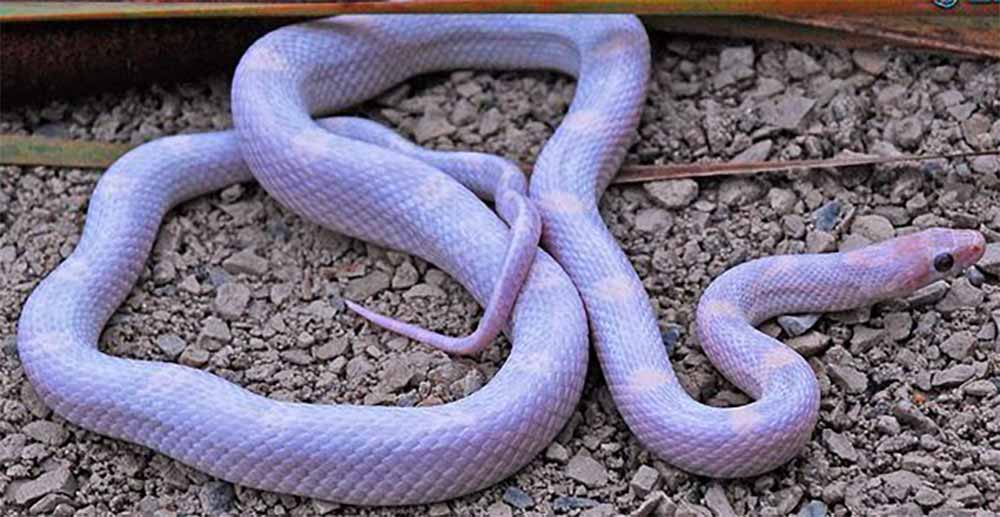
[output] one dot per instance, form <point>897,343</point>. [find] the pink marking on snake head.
<point>918,259</point>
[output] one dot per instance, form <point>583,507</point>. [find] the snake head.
<point>927,256</point>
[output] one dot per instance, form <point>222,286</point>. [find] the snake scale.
<point>359,179</point>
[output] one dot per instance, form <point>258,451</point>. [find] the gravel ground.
<point>239,286</point>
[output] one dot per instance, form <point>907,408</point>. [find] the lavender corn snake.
<point>381,455</point>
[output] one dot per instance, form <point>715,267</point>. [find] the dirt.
<point>241,287</point>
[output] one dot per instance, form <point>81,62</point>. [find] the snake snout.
<point>972,248</point>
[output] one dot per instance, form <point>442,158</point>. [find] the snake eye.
<point>943,262</point>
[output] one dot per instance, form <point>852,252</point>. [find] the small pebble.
<point>587,470</point>
<point>518,498</point>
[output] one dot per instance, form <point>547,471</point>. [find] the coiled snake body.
<point>356,178</point>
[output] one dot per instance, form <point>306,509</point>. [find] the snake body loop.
<point>353,178</point>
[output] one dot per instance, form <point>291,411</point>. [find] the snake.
<point>552,301</point>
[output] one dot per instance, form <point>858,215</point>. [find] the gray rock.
<point>864,338</point>
<point>368,285</point>
<point>739,191</point>
<point>673,193</point>
<point>874,227</point>
<point>518,498</point>
<point>946,99</point>
<point>976,130</point>
<point>333,347</point>
<point>840,445</point>
<point>190,284</point>
<point>305,340</point>
<point>463,114</point>
<point>959,345</point>
<point>788,499</point>
<point>656,503</point>
<point>961,295</point>
<point>975,276</point>
<point>732,57</point>
<point>472,382</point>
<point>601,510</point>
<point>57,480</point>
<point>928,294</point>
<point>48,504</point>
<point>825,217</point>
<point>953,376</point>
<point>854,241</point>
<point>990,263</point>
<point>909,414</point>
<point>898,325</point>
<point>943,73</point>
<point>787,111</point>
<point>967,495</point>
<point>820,242</point>
<point>901,483</point>
<point>214,333</point>
<point>358,367</point>
<point>490,122</point>
<point>46,431</point>
<point>245,262</point>
<point>928,497</point>
<point>692,510</point>
<point>767,87</point>
<point>556,452</point>
<point>216,497</point>
<point>906,133</point>
<point>811,344</point>
<point>11,447</point>
<point>671,336</point>
<point>782,200</point>
<point>499,509</point>
<point>569,503</point>
<point>432,125</point>
<point>794,225</point>
<point>469,89</point>
<point>164,272</point>
<point>848,378</point>
<point>398,374</point>
<point>989,164</point>
<point>871,61</point>
<point>645,480</point>
<point>990,458</point>
<point>424,291</point>
<point>755,153</point>
<point>887,425</point>
<point>170,344</point>
<point>717,501</point>
<point>405,276</point>
<point>981,388</point>
<point>813,509</point>
<point>323,507</point>
<point>297,356</point>
<point>891,94</point>
<point>193,356</point>
<point>232,193</point>
<point>231,300</point>
<point>653,220</point>
<point>800,65</point>
<point>587,470</point>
